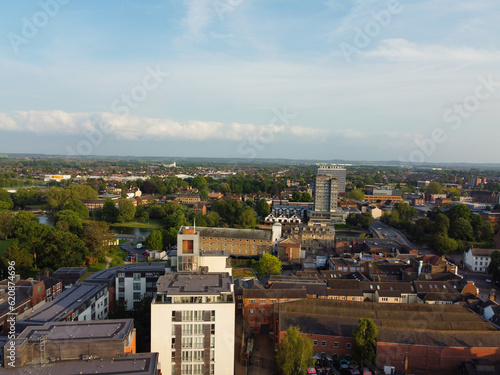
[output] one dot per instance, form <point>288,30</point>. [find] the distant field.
<point>4,245</point>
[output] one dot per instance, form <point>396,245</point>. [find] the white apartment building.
<point>477,260</point>
<point>192,323</point>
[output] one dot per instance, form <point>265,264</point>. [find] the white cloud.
<point>199,15</point>
<point>404,50</point>
<point>144,128</point>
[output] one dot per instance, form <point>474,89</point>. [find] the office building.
<point>334,171</point>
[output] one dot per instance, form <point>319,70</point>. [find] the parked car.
<point>146,253</point>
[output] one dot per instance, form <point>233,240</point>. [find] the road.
<point>382,230</point>
<point>130,246</point>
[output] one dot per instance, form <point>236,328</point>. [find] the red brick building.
<point>415,338</point>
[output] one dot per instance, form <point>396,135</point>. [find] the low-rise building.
<point>415,338</point>
<point>68,340</point>
<point>477,260</point>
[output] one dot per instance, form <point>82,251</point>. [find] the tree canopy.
<point>494,266</point>
<point>295,353</point>
<point>270,265</point>
<point>365,336</point>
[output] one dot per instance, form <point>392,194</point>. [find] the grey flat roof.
<point>109,274</point>
<point>185,284</point>
<point>129,364</point>
<point>93,330</point>
<point>65,302</point>
<point>247,234</point>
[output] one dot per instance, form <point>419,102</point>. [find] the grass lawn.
<point>96,267</point>
<point>243,272</point>
<point>4,245</point>
<point>152,223</point>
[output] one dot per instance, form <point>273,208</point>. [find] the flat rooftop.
<point>109,274</point>
<point>185,284</point>
<point>79,331</point>
<point>129,364</point>
<point>65,302</point>
<point>246,234</point>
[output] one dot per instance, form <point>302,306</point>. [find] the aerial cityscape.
<point>245,187</point>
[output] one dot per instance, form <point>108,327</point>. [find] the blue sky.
<point>356,80</point>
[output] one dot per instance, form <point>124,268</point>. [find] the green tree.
<point>366,219</point>
<point>441,224</point>
<point>110,211</point>
<point>62,249</point>
<point>6,224</point>
<point>270,265</point>
<point>126,210</point>
<point>262,208</point>
<point>356,194</point>
<point>461,229</point>
<point>444,244</point>
<point>306,197</point>
<point>155,240</point>
<point>457,211</point>
<point>6,202</point>
<point>365,336</point>
<point>434,188</point>
<point>296,196</point>
<point>68,220</point>
<point>351,220</point>
<point>98,239</point>
<point>22,258</point>
<point>199,182</point>
<point>494,266</point>
<point>247,218</point>
<point>78,207</point>
<point>224,188</point>
<point>295,353</point>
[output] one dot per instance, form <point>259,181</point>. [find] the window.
<point>385,299</point>
<point>240,297</point>
<point>315,343</point>
<point>335,344</point>
<point>251,311</point>
<point>137,296</point>
<point>348,345</point>
<point>251,301</point>
<point>137,286</point>
<point>323,343</point>
<point>262,311</point>
<point>262,301</point>
<point>239,305</point>
<point>137,276</point>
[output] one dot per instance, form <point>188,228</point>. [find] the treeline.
<point>70,243</point>
<point>455,228</point>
